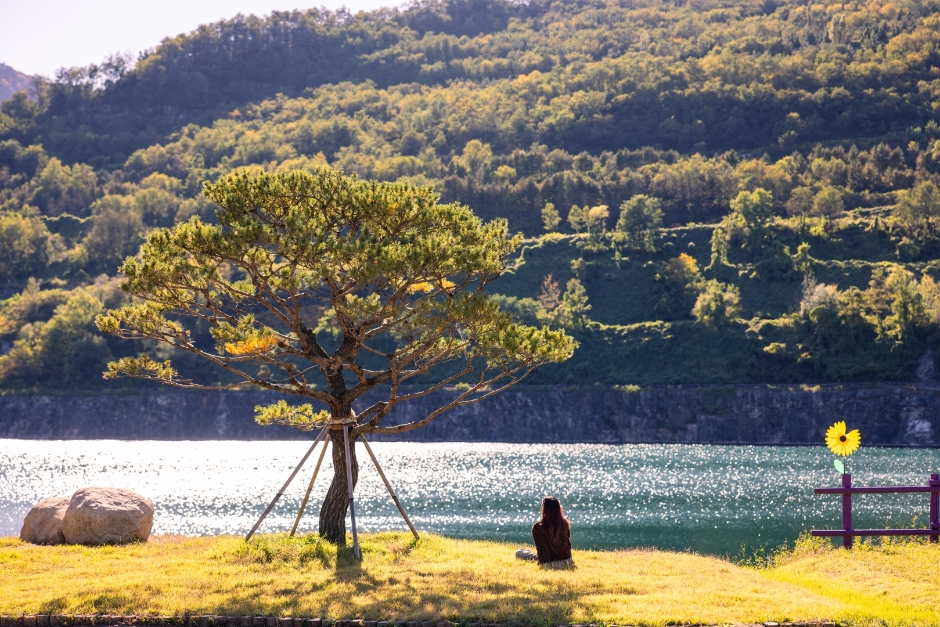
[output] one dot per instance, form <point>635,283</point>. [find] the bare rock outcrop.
<point>896,414</point>
<point>43,523</point>
<point>107,516</point>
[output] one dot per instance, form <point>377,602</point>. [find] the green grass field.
<point>443,578</point>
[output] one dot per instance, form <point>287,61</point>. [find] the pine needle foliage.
<point>397,278</point>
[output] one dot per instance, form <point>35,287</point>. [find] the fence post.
<point>934,508</point>
<point>846,511</point>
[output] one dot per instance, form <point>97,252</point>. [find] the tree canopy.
<point>398,277</point>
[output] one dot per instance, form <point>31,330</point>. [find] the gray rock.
<point>43,523</point>
<point>107,516</point>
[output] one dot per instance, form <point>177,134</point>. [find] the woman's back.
<point>552,545</point>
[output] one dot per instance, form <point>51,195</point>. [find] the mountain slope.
<point>781,162</point>
<point>12,81</point>
<point>599,74</point>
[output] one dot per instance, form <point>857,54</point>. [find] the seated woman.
<point>552,535</point>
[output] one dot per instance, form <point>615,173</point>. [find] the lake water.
<point>710,499</point>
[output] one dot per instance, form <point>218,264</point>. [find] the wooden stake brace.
<point>334,422</point>
<point>349,485</point>
<point>388,486</point>
<point>284,487</point>
<point>316,469</point>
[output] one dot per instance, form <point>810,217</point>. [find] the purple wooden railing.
<point>847,533</point>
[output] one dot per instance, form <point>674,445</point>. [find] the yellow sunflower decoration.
<point>841,443</point>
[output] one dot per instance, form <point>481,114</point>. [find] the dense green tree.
<point>595,223</point>
<point>744,228</point>
<point>33,304</point>
<point>19,164</point>
<point>640,222</point>
<point>523,310</point>
<point>156,207</point>
<point>895,302</point>
<point>681,279</point>
<point>64,352</point>
<point>27,246</point>
<point>828,203</point>
<point>116,231</point>
<point>568,310</point>
<point>63,189</point>
<point>755,208</point>
<point>800,204</point>
<point>402,279</point>
<point>917,206</point>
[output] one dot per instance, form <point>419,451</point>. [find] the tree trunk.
<point>336,503</point>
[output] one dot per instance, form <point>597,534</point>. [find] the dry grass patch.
<point>892,582</point>
<point>461,579</point>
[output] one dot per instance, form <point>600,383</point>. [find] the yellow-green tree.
<point>800,204</point>
<point>550,218</point>
<point>917,206</point>
<point>578,218</point>
<point>566,311</point>
<point>717,303</point>
<point>595,221</point>
<point>400,275</point>
<point>828,204</point>
<point>26,244</point>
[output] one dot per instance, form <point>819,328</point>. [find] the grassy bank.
<point>439,577</point>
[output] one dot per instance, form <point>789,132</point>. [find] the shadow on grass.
<point>109,601</point>
<point>347,563</point>
<point>280,582</point>
<point>276,548</point>
<point>465,596</point>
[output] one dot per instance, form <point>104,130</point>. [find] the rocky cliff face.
<point>900,415</point>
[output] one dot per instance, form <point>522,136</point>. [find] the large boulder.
<point>43,523</point>
<point>107,516</point>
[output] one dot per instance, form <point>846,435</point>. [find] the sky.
<point>40,36</point>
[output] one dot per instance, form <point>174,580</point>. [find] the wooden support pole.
<point>349,484</point>
<point>935,508</point>
<point>847,511</point>
<point>284,487</point>
<point>303,504</point>
<point>388,486</point>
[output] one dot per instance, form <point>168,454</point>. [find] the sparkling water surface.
<point>708,499</point>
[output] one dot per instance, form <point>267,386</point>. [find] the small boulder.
<point>107,516</point>
<point>43,523</point>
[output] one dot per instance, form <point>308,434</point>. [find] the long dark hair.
<point>553,518</point>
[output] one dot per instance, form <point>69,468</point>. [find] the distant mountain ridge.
<point>12,81</point>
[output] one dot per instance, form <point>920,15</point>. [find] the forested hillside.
<point>713,191</point>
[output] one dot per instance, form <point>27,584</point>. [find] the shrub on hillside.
<point>717,303</point>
